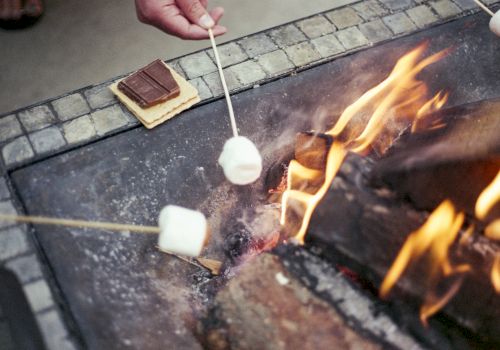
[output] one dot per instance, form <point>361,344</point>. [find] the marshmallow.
<point>241,161</point>
<point>182,231</point>
<point>495,23</point>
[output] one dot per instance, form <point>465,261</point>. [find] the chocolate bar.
<point>150,85</point>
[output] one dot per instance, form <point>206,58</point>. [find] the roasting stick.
<point>240,159</point>
<point>224,85</point>
<point>484,7</point>
<point>80,223</point>
<point>212,265</point>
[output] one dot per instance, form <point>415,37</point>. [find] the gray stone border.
<point>91,113</point>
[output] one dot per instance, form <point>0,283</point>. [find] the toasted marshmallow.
<point>495,23</point>
<point>241,161</point>
<point>182,231</point>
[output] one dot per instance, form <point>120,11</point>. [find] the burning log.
<point>311,149</point>
<point>456,162</point>
<point>264,307</point>
<point>368,226</point>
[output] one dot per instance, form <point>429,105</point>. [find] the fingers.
<point>196,13</point>
<point>217,14</point>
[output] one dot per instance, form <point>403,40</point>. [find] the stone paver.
<point>328,45</point>
<point>36,118</point>
<point>53,329</point>
<point>370,9</point>
<point>203,89</point>
<point>421,16</point>
<point>315,26</point>
<point>6,207</point>
<point>26,268</point>
<point>229,54</point>
<point>399,23</point>
<point>302,54</point>
<point>287,35</point>
<point>79,129</point>
<point>70,106</point>
<point>214,84</point>
<point>4,189</point>
<point>47,140</point>
<point>38,295</point>
<point>275,62</point>
<point>396,5</point>
<point>197,64</point>
<point>247,72</point>
<point>445,8</point>
<point>17,151</point>
<point>175,65</point>
<point>99,96</point>
<point>109,119</point>
<point>344,18</point>
<point>375,31</point>
<point>351,38</point>
<point>13,241</point>
<point>465,4</point>
<point>9,128</point>
<point>258,44</point>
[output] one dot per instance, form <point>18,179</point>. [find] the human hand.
<point>186,19</point>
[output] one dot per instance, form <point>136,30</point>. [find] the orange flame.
<point>488,198</point>
<point>433,105</point>
<point>493,230</point>
<point>399,96</point>
<point>433,239</point>
<point>335,158</point>
<point>495,274</point>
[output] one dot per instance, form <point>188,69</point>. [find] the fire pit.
<point>121,292</point>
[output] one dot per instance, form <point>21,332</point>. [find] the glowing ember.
<point>399,97</point>
<point>488,198</point>
<point>433,241</point>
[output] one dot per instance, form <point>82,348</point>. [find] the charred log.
<point>368,226</point>
<point>456,162</point>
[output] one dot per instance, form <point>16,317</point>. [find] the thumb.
<point>196,13</point>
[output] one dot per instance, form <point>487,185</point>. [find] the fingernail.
<point>206,21</point>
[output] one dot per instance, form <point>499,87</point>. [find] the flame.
<point>399,96</point>
<point>488,198</point>
<point>495,274</point>
<point>335,158</point>
<point>400,92</point>
<point>433,105</point>
<point>493,230</point>
<point>433,239</point>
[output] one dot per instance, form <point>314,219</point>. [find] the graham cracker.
<point>155,115</point>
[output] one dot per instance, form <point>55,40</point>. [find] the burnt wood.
<point>368,226</point>
<point>312,148</point>
<point>456,162</point>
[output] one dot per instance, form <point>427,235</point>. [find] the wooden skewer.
<point>210,264</point>
<point>224,85</point>
<point>80,223</point>
<point>484,7</point>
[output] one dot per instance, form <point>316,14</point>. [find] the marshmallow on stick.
<point>182,231</point>
<point>240,159</point>
<point>495,17</point>
<point>495,23</point>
